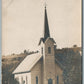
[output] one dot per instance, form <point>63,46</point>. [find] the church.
<point>41,67</point>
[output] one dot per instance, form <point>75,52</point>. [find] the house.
<point>42,67</point>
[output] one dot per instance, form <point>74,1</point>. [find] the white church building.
<point>42,67</point>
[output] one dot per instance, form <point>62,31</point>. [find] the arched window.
<point>42,50</point>
<point>17,79</point>
<point>50,81</point>
<point>57,79</point>
<point>21,80</point>
<point>36,80</point>
<point>26,80</point>
<point>49,50</point>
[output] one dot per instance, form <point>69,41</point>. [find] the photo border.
<point>0,40</point>
<point>82,17</point>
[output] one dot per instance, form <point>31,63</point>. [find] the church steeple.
<point>46,26</point>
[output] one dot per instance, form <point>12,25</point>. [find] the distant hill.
<point>9,63</point>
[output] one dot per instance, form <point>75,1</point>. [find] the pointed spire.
<point>46,26</point>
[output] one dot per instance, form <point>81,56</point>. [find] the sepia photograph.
<point>41,42</point>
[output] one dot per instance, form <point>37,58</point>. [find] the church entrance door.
<point>50,81</point>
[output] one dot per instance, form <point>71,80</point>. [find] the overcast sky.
<point>23,23</point>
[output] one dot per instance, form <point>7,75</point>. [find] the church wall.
<point>59,73</point>
<point>49,62</point>
<point>37,72</point>
<point>23,77</point>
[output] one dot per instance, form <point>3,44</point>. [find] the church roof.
<point>58,62</point>
<point>50,39</point>
<point>43,40</point>
<point>27,64</point>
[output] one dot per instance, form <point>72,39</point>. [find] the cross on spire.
<point>45,4</point>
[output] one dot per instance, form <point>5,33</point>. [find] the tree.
<point>72,70</point>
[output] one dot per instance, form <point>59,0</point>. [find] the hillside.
<point>9,63</point>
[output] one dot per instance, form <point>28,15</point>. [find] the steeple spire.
<point>46,29</point>
<point>46,26</point>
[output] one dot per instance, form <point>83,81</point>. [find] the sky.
<point>23,24</point>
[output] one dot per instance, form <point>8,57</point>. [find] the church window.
<point>42,50</point>
<point>36,80</point>
<point>17,79</point>
<point>49,50</point>
<point>57,79</point>
<point>26,80</point>
<point>50,81</point>
<point>21,80</point>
